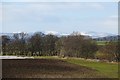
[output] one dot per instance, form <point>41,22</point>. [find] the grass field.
<point>101,42</point>
<point>54,67</point>
<point>108,69</point>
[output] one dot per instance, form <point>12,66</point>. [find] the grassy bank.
<point>108,69</point>
<point>101,43</point>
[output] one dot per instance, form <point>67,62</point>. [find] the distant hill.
<point>95,35</point>
<point>108,38</point>
<point>8,34</point>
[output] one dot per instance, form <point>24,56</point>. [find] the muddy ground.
<point>45,68</point>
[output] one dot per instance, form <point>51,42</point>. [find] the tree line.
<point>74,45</point>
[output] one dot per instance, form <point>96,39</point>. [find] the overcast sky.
<point>63,17</point>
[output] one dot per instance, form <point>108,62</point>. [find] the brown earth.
<point>45,68</point>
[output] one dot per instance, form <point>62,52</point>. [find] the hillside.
<point>108,38</point>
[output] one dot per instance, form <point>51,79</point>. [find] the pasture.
<point>108,69</point>
<point>101,43</point>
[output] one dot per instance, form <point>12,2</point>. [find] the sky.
<point>62,17</point>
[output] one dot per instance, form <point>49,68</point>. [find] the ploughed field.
<point>45,68</point>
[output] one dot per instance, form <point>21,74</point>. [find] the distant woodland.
<point>74,45</point>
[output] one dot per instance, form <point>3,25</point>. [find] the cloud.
<point>114,17</point>
<point>12,10</point>
<point>46,7</point>
<point>0,12</point>
<point>58,16</point>
<point>60,0</point>
<point>0,17</point>
<point>110,23</point>
<point>97,6</point>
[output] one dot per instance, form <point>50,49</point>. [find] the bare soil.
<point>45,68</point>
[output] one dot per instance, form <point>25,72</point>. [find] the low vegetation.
<point>101,42</point>
<point>108,69</point>
<point>104,68</point>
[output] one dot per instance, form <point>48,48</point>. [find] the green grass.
<point>108,69</point>
<point>101,42</point>
<point>46,57</point>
